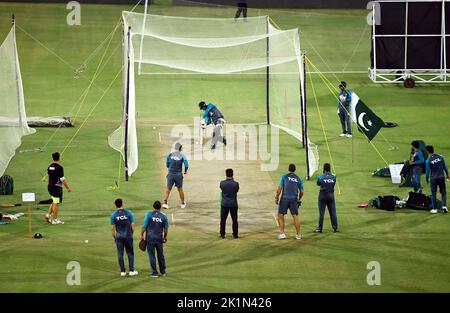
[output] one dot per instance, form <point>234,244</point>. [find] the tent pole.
<point>267,72</point>
<point>305,118</point>
<point>13,23</point>
<point>127,103</point>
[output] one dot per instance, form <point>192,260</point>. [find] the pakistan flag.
<point>368,123</point>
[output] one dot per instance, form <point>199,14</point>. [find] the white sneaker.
<point>444,209</point>
<point>433,211</point>
<point>183,205</point>
<point>165,206</point>
<point>298,236</point>
<point>282,236</point>
<point>342,135</point>
<point>133,273</point>
<point>123,274</point>
<point>57,221</point>
<point>349,136</point>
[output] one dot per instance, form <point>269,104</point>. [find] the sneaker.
<point>163,274</point>
<point>342,135</point>
<point>222,236</point>
<point>224,140</point>
<point>47,218</point>
<point>282,236</point>
<point>335,230</point>
<point>349,136</point>
<point>133,273</point>
<point>298,236</point>
<point>433,211</point>
<point>213,147</point>
<point>317,230</point>
<point>57,221</point>
<point>155,275</point>
<point>165,206</point>
<point>444,209</point>
<point>183,205</point>
<point>123,274</point>
<point>235,237</point>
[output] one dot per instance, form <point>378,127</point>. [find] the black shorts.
<point>56,193</point>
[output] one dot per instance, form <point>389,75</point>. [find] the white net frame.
<point>215,46</point>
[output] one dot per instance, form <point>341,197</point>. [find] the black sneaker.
<point>235,237</point>
<point>222,236</point>
<point>224,141</point>
<point>335,230</point>
<point>318,230</point>
<point>213,147</point>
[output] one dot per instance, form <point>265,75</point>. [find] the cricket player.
<point>326,181</point>
<point>123,224</point>
<point>435,168</point>
<point>212,115</point>
<point>416,163</point>
<point>291,188</point>
<point>155,230</point>
<point>56,181</point>
<point>174,164</point>
<point>345,99</point>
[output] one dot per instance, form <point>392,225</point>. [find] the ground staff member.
<point>228,203</point>
<point>435,168</point>
<point>123,224</point>
<point>155,230</point>
<point>291,187</point>
<point>326,181</point>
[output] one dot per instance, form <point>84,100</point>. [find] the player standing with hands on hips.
<point>212,115</point>
<point>56,181</point>
<point>291,187</point>
<point>326,181</point>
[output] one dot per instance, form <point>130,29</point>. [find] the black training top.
<point>229,189</point>
<point>55,175</point>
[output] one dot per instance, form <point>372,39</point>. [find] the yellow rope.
<point>96,73</point>
<point>328,84</point>
<point>92,110</point>
<point>323,126</point>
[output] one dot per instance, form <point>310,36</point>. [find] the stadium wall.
<point>317,4</point>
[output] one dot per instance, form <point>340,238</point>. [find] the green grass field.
<point>411,246</point>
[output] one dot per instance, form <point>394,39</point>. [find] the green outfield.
<point>411,246</point>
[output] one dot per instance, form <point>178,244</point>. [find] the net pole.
<point>127,104</point>
<point>142,37</point>
<point>305,120</point>
<point>302,111</point>
<point>267,72</point>
<point>13,22</point>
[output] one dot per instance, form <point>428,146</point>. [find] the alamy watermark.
<point>74,16</point>
<point>252,142</point>
<point>73,277</point>
<point>373,278</point>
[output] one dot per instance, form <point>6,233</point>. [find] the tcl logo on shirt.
<point>121,218</point>
<point>293,179</point>
<point>328,180</point>
<point>157,219</point>
<point>435,161</point>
